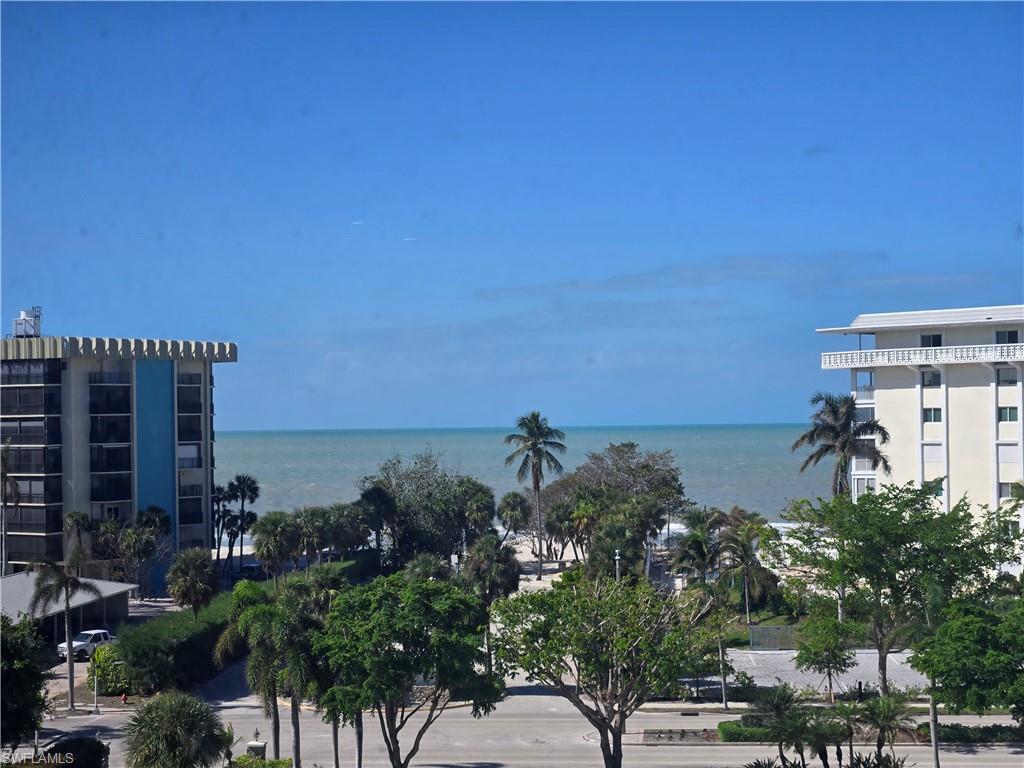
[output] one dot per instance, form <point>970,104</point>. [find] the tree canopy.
<point>24,670</point>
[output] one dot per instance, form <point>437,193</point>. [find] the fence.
<point>772,638</point>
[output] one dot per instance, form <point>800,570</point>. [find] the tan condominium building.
<point>948,385</point>
<point>105,426</point>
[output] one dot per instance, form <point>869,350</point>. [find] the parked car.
<point>85,643</point>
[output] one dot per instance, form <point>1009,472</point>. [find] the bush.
<point>113,677</point>
<point>248,761</point>
<point>956,733</point>
<point>172,651</point>
<point>734,730</point>
<point>84,751</point>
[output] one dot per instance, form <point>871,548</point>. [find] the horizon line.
<point>498,427</point>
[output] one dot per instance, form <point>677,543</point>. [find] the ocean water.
<point>722,465</point>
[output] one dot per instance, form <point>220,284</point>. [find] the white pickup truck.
<point>85,643</point>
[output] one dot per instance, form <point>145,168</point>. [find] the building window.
<point>1008,337</point>
<point>932,415</point>
<point>1008,413</point>
<point>931,379</point>
<point>862,485</point>
<point>936,486</point>
<point>931,339</point>
<point>1004,490</point>
<point>1006,377</point>
<point>863,413</point>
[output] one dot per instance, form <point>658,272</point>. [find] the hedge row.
<point>248,761</point>
<point>956,733</point>
<point>172,651</point>
<point>733,730</point>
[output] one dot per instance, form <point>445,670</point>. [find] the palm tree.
<point>313,525</point>
<point>888,716</point>
<point>77,524</point>
<point>741,549</point>
<point>191,580</point>
<point>698,550</point>
<point>534,443</point>
<point>835,431</point>
<point>381,513</point>
<point>231,530</point>
<point>55,583</point>
<point>175,730</point>
<point>292,631</point>
<point>218,497</point>
<point>251,624</point>
<point>849,715</point>
<point>514,513</point>
<point>492,569</point>
<point>243,489</point>
<point>275,540</point>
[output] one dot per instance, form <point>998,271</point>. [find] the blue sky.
<point>445,215</point>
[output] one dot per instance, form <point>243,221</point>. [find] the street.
<point>529,729</point>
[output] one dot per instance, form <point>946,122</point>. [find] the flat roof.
<point>49,347</point>
<point>931,318</point>
<point>16,593</point>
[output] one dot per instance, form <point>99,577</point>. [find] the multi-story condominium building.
<point>947,385</point>
<point>107,426</point>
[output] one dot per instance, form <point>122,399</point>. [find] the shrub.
<point>113,677</point>
<point>957,733</point>
<point>84,751</point>
<point>248,761</point>
<point>734,730</point>
<point>172,651</point>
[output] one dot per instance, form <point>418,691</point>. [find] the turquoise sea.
<point>722,465</point>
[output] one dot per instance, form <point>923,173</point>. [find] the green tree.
<point>514,513</point>
<point>348,528</point>
<point>314,529</point>
<point>294,624</point>
<point>55,584</point>
<point>849,715</point>
<point>698,550</point>
<point>191,580</point>
<point>835,431</point>
<point>825,647</point>
<point>175,730</point>
<point>243,489</point>
<point>493,571</point>
<point>382,639</point>
<point>276,539</point>
<point>896,548</point>
<point>24,671</point>
<point>783,715</point>
<point>218,497</point>
<point>76,525</point>
<point>976,658</point>
<point>605,646</point>
<point>742,543</point>
<point>536,444</point>
<point>888,716</point>
<point>381,514</point>
<point>251,625</point>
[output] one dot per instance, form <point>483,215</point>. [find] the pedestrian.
<point>124,699</point>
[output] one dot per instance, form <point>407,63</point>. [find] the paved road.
<point>530,729</point>
<point>767,666</point>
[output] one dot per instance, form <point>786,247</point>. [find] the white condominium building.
<point>948,385</point>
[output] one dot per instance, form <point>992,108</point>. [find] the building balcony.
<point>33,438</point>
<point>49,408</point>
<point>875,358</point>
<point>190,436</point>
<point>35,520</point>
<point>190,379</point>
<point>189,491</point>
<point>28,549</point>
<point>190,462</point>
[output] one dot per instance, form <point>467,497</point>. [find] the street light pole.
<point>95,687</point>
<point>616,565</point>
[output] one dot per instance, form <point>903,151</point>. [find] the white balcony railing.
<point>873,358</point>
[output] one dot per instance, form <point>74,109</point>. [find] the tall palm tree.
<point>536,444</point>
<point>77,524</point>
<point>191,580</point>
<point>275,540</point>
<point>251,624</point>
<point>175,730</point>
<point>245,490</point>
<point>218,496</point>
<point>381,514</point>
<point>313,526</point>
<point>298,673</point>
<point>741,550</point>
<point>493,571</point>
<point>835,431</point>
<point>56,583</point>
<point>231,530</point>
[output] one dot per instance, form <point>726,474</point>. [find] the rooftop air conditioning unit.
<point>28,322</point>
